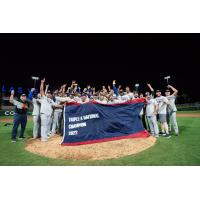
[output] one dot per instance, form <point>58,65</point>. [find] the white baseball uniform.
<point>46,112</point>
<point>151,117</point>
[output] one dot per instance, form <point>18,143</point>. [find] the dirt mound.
<point>97,151</point>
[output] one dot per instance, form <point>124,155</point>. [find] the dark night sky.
<point>100,58</point>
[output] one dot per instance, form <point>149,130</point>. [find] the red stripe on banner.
<point>141,134</point>
<point>138,100</point>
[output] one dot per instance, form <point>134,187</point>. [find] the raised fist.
<point>12,92</point>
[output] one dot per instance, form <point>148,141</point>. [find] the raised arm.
<point>115,89</point>
<point>46,89</point>
<point>12,96</point>
<point>30,94</point>
<point>63,89</point>
<point>109,88</point>
<point>75,87</point>
<point>42,87</point>
<point>150,87</point>
<point>173,89</point>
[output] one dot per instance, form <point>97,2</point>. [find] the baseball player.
<point>36,113</point>
<point>151,94</point>
<point>113,98</point>
<point>120,93</point>
<point>171,108</point>
<point>83,99</point>
<point>162,112</point>
<point>128,93</point>
<point>20,117</point>
<point>57,114</point>
<point>143,113</point>
<point>46,111</point>
<point>151,111</point>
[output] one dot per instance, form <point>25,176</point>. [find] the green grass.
<point>182,150</point>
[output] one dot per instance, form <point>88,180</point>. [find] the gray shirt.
<point>171,107</point>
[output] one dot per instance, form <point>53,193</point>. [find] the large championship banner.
<point>94,122</point>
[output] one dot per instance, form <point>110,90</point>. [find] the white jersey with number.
<point>162,104</point>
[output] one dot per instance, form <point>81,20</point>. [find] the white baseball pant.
<point>152,120</point>
<point>173,122</point>
<point>45,122</point>
<point>36,125</point>
<point>56,121</point>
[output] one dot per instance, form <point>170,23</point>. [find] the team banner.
<point>93,122</point>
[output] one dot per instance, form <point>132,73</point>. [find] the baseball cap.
<point>23,95</point>
<point>158,91</point>
<point>167,90</point>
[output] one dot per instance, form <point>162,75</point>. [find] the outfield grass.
<point>182,150</point>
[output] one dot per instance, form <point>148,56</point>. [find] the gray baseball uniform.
<point>171,110</point>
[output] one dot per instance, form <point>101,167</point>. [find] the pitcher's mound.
<point>96,151</point>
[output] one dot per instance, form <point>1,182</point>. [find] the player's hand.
<point>114,82</point>
<point>12,92</point>
<point>148,84</point>
<point>64,86</point>
<point>32,89</point>
<point>43,80</point>
<point>169,86</point>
